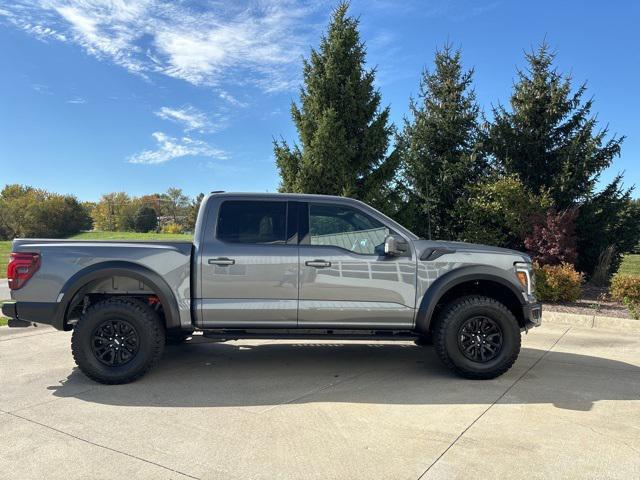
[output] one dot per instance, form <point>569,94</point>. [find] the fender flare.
<point>443,284</point>
<point>102,270</point>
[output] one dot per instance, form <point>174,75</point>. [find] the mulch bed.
<point>594,301</point>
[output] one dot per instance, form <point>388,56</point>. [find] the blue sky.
<point>100,96</point>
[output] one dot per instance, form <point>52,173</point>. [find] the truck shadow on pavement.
<point>201,373</point>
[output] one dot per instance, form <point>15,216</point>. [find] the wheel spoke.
<point>115,342</point>
<point>480,339</point>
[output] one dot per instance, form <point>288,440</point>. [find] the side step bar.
<point>310,334</point>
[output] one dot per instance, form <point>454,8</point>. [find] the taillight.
<point>21,268</point>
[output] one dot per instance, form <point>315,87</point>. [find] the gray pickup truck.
<point>276,266</point>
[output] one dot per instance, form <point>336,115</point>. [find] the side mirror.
<point>395,246</point>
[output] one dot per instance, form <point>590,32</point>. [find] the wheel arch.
<point>475,279</point>
<point>81,283</point>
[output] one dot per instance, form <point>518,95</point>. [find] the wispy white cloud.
<point>189,117</point>
<point>226,96</point>
<point>169,148</point>
<point>42,88</point>
<point>77,101</point>
<point>44,33</point>
<point>254,41</point>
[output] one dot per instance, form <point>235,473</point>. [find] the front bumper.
<point>532,313</point>
<point>22,314</point>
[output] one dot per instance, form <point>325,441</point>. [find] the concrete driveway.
<point>570,408</point>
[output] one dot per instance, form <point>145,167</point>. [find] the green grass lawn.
<point>3,320</point>
<point>630,265</point>
<point>5,248</point>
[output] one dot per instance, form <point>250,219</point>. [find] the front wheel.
<point>117,340</point>
<point>477,337</point>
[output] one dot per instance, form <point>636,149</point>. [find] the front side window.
<point>347,228</point>
<point>253,222</point>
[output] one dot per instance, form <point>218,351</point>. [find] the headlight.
<point>524,273</point>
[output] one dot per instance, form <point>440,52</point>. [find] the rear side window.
<point>253,222</point>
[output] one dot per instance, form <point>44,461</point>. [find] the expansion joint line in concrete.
<point>494,402</point>
<point>62,432</point>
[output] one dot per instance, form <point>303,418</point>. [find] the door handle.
<point>317,263</point>
<point>222,261</point>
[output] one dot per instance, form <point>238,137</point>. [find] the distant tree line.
<point>170,212</point>
<point>29,212</point>
<point>33,212</point>
<point>525,176</point>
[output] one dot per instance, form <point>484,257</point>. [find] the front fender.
<point>443,284</point>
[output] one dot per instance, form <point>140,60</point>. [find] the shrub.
<point>145,219</point>
<point>172,228</point>
<point>498,211</point>
<point>558,283</point>
<point>552,240</point>
<point>626,288</point>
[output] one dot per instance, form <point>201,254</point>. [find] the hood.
<point>423,245</point>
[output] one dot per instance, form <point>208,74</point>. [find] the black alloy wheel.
<point>115,342</point>
<point>480,339</point>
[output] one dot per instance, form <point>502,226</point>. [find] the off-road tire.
<point>451,320</point>
<point>150,340</point>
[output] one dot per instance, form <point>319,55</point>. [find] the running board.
<point>309,334</point>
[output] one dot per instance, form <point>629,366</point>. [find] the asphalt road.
<point>570,408</point>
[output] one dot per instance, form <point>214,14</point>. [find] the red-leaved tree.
<point>552,240</point>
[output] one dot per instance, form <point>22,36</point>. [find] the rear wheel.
<point>117,340</point>
<point>477,337</point>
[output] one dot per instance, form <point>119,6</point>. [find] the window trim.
<point>293,222</point>
<point>286,225</point>
<point>305,240</point>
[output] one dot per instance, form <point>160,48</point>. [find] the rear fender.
<point>81,282</point>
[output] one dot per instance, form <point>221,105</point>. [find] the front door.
<point>346,281</point>
<point>250,266</point>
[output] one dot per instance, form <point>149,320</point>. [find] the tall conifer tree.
<point>438,145</point>
<point>549,137</point>
<point>343,133</point>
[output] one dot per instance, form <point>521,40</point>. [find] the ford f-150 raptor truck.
<point>276,266</point>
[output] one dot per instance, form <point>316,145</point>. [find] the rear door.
<point>249,265</point>
<point>346,281</point>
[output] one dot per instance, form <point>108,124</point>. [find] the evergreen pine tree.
<point>438,145</point>
<point>343,133</point>
<point>549,138</point>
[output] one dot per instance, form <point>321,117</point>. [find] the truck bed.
<point>60,260</point>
